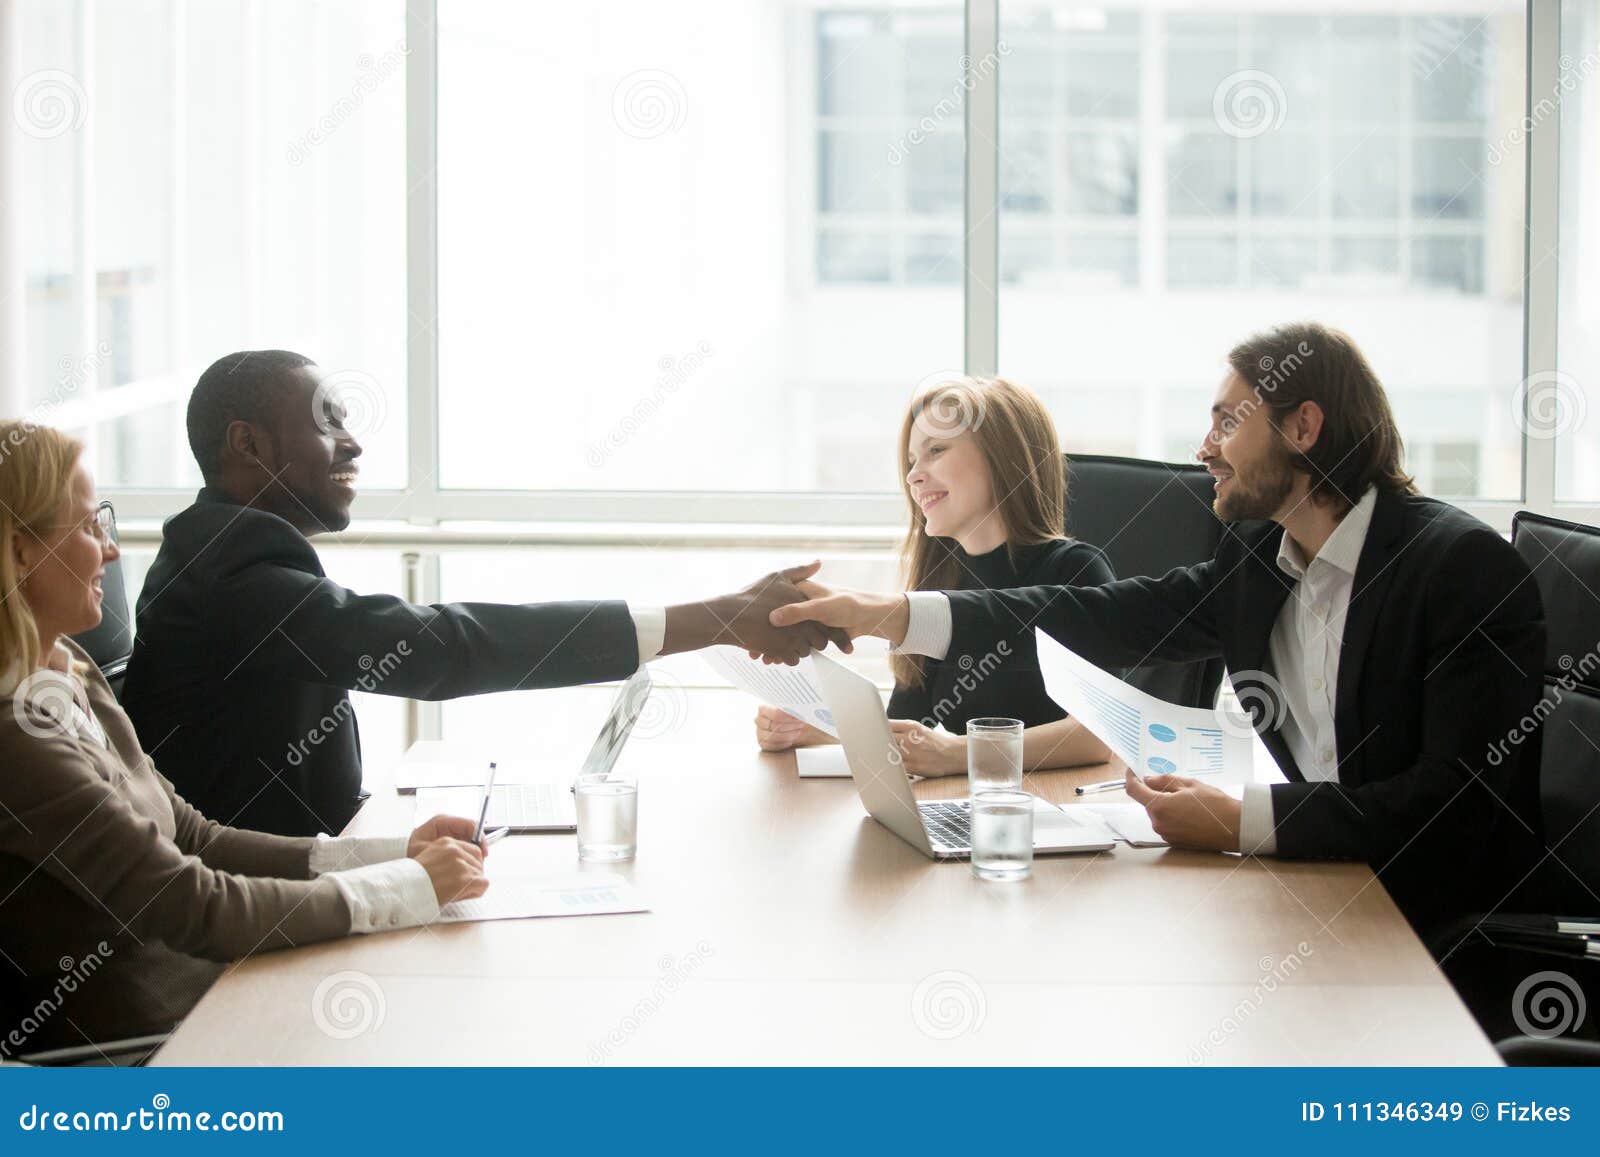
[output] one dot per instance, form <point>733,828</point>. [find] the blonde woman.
<point>118,900</point>
<point>986,492</point>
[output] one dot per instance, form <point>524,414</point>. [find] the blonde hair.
<point>36,468</point>
<point>1017,438</point>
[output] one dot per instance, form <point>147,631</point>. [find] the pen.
<point>483,810</point>
<point>1103,785</point>
<point>491,837</point>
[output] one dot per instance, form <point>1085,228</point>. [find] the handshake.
<point>755,620</point>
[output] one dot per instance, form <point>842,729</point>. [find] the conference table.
<point>788,927</point>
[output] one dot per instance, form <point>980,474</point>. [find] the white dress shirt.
<point>1304,647</point>
<point>650,623</point>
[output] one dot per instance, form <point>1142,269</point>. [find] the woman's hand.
<point>455,868</point>
<point>440,827</point>
<point>927,751</point>
<point>777,730</point>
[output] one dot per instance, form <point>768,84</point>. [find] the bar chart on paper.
<point>1151,736</point>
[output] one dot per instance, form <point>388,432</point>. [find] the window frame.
<point>802,515</point>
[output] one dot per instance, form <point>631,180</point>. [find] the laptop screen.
<point>625,709</point>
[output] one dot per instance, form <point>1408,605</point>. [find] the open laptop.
<point>549,807</point>
<point>939,829</point>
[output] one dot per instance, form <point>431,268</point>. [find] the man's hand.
<point>442,827</point>
<point>856,613</point>
<point>925,751</point>
<point>1187,813</point>
<point>744,620</point>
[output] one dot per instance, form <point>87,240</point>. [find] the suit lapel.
<point>1374,573</point>
<point>1264,589</point>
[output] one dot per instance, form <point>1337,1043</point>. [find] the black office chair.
<point>110,644</point>
<point>1565,560</point>
<point>1494,958</point>
<point>121,1054</point>
<point>1149,517</point>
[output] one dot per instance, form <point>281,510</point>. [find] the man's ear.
<point>1307,426</point>
<point>247,443</point>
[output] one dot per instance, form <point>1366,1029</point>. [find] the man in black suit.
<point>1382,641</point>
<point>245,650</point>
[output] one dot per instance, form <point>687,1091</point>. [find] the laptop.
<point>939,829</point>
<point>548,807</point>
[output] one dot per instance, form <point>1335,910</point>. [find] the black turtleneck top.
<point>1003,677</point>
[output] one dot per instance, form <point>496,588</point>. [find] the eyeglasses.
<point>102,524</point>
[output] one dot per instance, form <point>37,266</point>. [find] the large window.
<point>643,210</point>
<point>1173,178</point>
<point>1569,410</point>
<point>203,178</point>
<point>610,253</point>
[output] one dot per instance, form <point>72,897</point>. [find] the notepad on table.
<point>825,762</point>
<point>1130,821</point>
<point>575,894</point>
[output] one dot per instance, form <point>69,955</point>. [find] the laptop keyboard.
<point>517,804</point>
<point>949,822</point>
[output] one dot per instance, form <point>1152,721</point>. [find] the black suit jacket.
<point>1441,658</point>
<point>964,686</point>
<point>245,650</point>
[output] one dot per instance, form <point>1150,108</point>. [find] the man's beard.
<point>1263,496</point>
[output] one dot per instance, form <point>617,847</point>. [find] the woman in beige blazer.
<point>118,901</point>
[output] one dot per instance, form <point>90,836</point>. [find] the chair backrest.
<point>111,643</point>
<point>1565,560</point>
<point>1149,517</point>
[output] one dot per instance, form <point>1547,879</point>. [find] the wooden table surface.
<point>787,927</point>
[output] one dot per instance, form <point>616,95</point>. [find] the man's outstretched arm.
<point>1117,624</point>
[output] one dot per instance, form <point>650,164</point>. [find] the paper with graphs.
<point>794,689</point>
<point>1151,736</point>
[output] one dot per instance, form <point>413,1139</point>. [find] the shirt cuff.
<point>336,853</point>
<point>1256,834</point>
<point>651,625</point>
<point>397,894</point>
<point>927,625</point>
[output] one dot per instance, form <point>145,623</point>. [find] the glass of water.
<point>1002,835</point>
<point>994,755</point>
<point>608,819</point>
